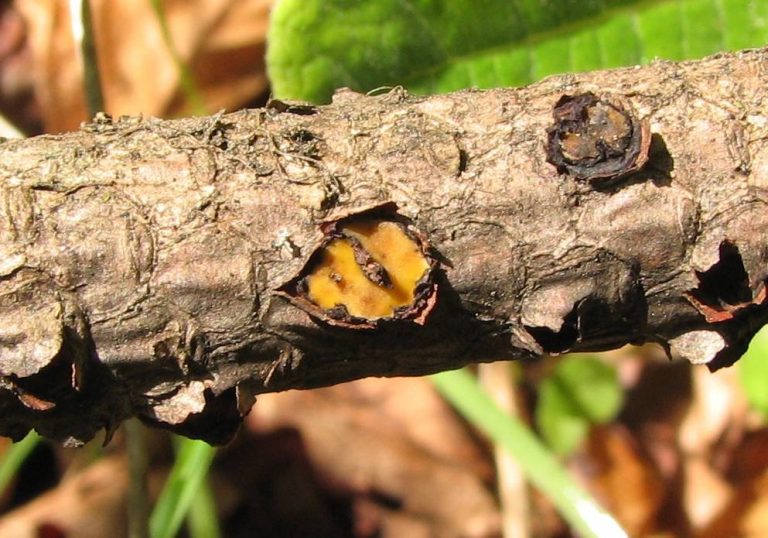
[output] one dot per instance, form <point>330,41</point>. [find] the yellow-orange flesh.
<point>339,280</point>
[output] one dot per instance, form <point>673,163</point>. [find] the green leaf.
<point>582,390</point>
<point>562,429</point>
<point>434,46</point>
<point>753,367</point>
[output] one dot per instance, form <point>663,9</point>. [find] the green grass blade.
<point>186,78</point>
<point>577,507</point>
<point>82,31</point>
<point>203,519</point>
<point>193,458</point>
<point>15,456</point>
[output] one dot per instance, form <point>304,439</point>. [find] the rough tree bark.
<point>142,260</point>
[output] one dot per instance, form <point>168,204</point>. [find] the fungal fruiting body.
<point>367,270</point>
<point>596,138</point>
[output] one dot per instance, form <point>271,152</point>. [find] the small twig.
<point>138,511</point>
<point>499,381</point>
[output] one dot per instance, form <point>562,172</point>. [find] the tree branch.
<point>162,268</point>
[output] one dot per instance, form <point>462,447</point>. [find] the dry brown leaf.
<point>230,67</point>
<point>705,492</point>
<point>416,411</point>
<point>750,459</point>
<point>392,440</point>
<point>714,421</point>
<point>654,409</point>
<point>221,40</point>
<point>623,478</point>
<point>717,409</point>
<point>16,87</point>
<point>90,504</point>
<point>746,515</point>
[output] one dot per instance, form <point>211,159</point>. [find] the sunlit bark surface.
<point>144,263</point>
